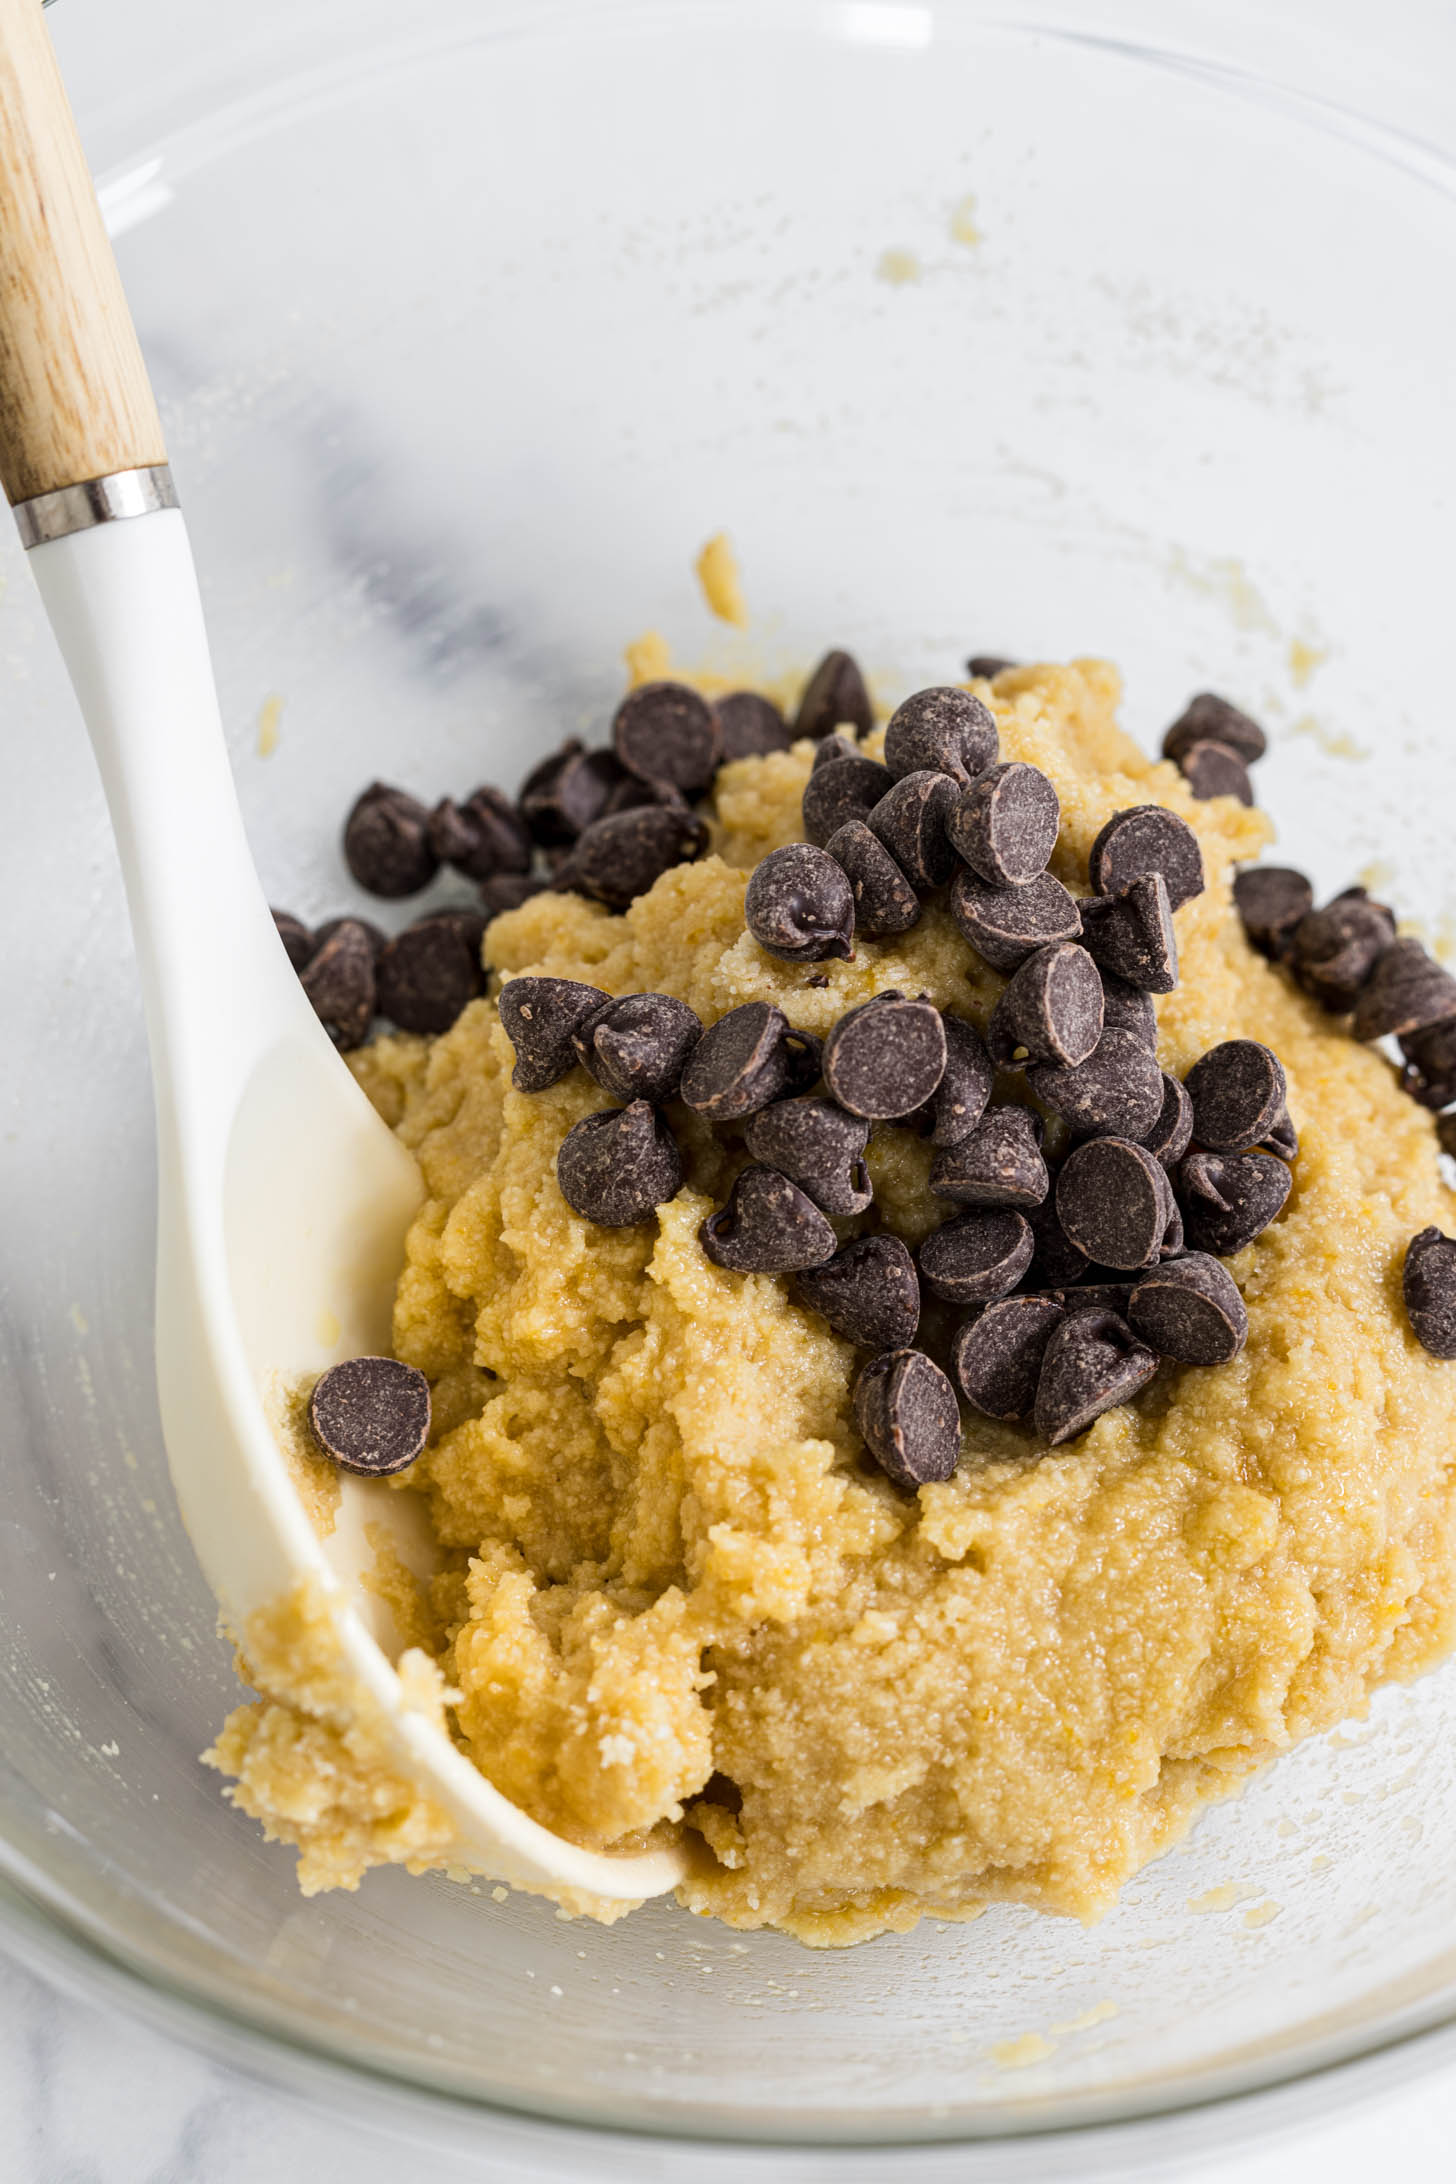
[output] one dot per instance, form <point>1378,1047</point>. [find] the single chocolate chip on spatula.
<point>886,1058</point>
<point>947,730</point>
<point>615,1168</point>
<point>1143,839</point>
<point>540,1017</point>
<point>371,1414</point>
<point>869,1292</point>
<point>819,1147</point>
<point>768,1226</point>
<point>1429,1283</point>
<point>907,1411</point>
<point>997,1357</point>
<point>999,1163</point>
<point>1093,1362</point>
<point>638,1045</point>
<point>799,905</point>
<point>884,900</point>
<point>1190,1310</point>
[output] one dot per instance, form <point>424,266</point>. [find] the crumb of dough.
<point>270,718</point>
<point>964,225</point>
<point>898,268</point>
<point>315,1478</point>
<point>718,573</point>
<point>649,658</point>
<point>674,1597</point>
<point>1304,658</point>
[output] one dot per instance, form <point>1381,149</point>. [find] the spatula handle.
<point>75,401</point>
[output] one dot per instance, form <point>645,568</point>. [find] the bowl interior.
<point>470,327</point>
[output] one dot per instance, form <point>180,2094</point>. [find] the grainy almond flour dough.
<point>675,1595</point>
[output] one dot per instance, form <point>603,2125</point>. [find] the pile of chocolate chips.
<point>1075,1275</point>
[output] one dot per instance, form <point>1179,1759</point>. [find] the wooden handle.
<point>75,402</point>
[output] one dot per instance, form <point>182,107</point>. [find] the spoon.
<point>283,1199</point>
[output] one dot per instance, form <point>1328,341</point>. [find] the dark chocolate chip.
<point>1213,769</point>
<point>768,1226</point>
<point>1093,1361</point>
<point>428,973</point>
<point>1190,1309</point>
<point>1207,718</point>
<point>1131,935</point>
<point>819,1147</point>
<point>1128,1008</point>
<point>1115,1202</point>
<point>1005,824</point>
<point>998,1164</point>
<point>665,731</point>
<point>618,858</point>
<point>1429,1283</point>
<point>1238,1092</point>
<point>848,789</point>
<point>1333,951</point>
<point>1050,1010</point>
<point>1172,1133</point>
<point>1271,900</point>
<point>834,696</point>
<point>740,1064</point>
<point>636,1046</point>
<point>884,900</point>
<point>507,891</point>
<point>540,1017</point>
<point>543,810</point>
<point>885,1058</point>
<point>832,749</point>
<point>800,905</point>
<point>869,1292</point>
<point>378,940</point>
<point>371,1414</point>
<point>387,843</point>
<point>911,819</point>
<point>1005,924</point>
<point>615,1168</point>
<point>997,1357</point>
<point>340,983</point>
<point>1095,1296</point>
<point>960,1099</point>
<point>630,794</point>
<point>298,942</point>
<point>1056,1262</point>
<point>1230,1198</point>
<point>1407,991</point>
<point>1142,839</point>
<point>1430,1073</point>
<point>946,730</point>
<point>907,1411</point>
<point>805,1059</point>
<point>979,1255</point>
<point>484,835</point>
<point>750,725</point>
<point>469,924</point>
<point>986,666</point>
<point>1117,1091</point>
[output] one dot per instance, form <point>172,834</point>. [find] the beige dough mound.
<point>675,1595</point>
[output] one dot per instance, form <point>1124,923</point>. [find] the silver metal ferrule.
<point>110,499</point>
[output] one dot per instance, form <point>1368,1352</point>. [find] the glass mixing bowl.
<point>978,332</point>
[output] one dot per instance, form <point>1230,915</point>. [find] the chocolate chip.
<point>831,750</point>
<point>618,858</point>
<point>1050,1010</point>
<point>566,792</point>
<point>907,1411</point>
<point>834,695</point>
<point>848,789</point>
<point>979,1255</point>
<point>998,1164</point>
<point>1142,839</point>
<point>630,794</point>
<point>1238,1092</point>
<point>469,924</point>
<point>1131,935</point>
<point>507,891</point>
<point>1096,1297</point>
<point>1005,824</point>
<point>1230,1198</point>
<point>427,974</point>
<point>1056,1262</point>
<point>1271,900</point>
<point>800,906</point>
<point>1207,718</point>
<point>886,1058</point>
<point>637,1045</point>
<point>1430,1073</point>
<point>869,1292</point>
<point>1190,1309</point>
<point>750,725</point>
<point>1093,1361</point>
<point>819,1147</point>
<point>540,1017</point>
<point>986,666</point>
<point>371,1414</point>
<point>769,1226</point>
<point>339,982</point>
<point>1407,991</point>
<point>1334,950</point>
<point>805,1061</point>
<point>945,730</point>
<point>740,1064</point>
<point>959,1100</point>
<point>387,843</point>
<point>378,940</point>
<point>1429,1283</point>
<point>1005,924</point>
<point>665,731</point>
<point>911,819</point>
<point>484,835</point>
<point>1172,1133</point>
<point>997,1357</point>
<point>1115,1202</point>
<point>884,900</point>
<point>1213,769</point>
<point>1117,1091</point>
<point>298,942</point>
<point>1128,1008</point>
<point>616,1167</point>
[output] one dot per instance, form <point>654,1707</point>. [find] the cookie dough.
<point>674,1594</point>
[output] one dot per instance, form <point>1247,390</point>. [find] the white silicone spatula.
<point>283,1198</point>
